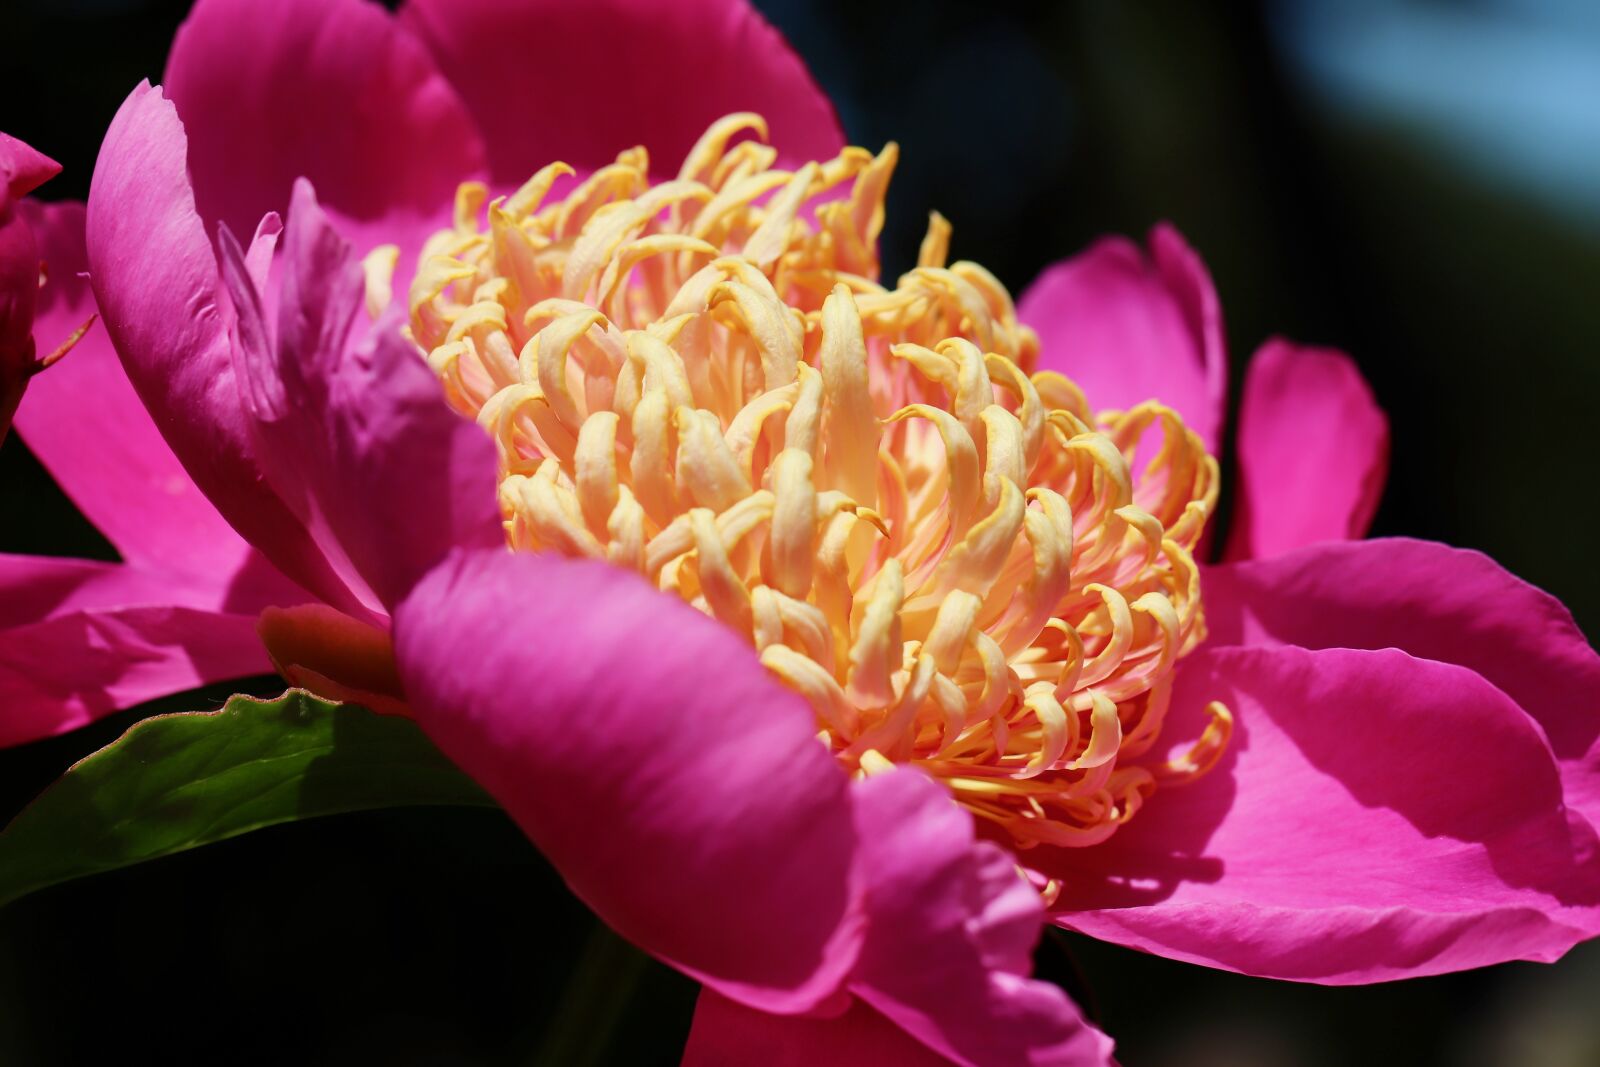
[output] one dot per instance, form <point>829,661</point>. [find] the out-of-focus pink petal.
<point>1127,327</point>
<point>547,79</point>
<point>1313,451</point>
<point>23,168</point>
<point>87,426</point>
<point>1377,816</point>
<point>950,936</point>
<point>332,90</point>
<point>68,670</point>
<point>155,281</point>
<point>728,1034</point>
<point>354,432</point>
<point>1435,602</point>
<point>678,788</point>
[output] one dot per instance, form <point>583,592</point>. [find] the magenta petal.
<point>87,426</point>
<point>1435,602</point>
<point>155,280</point>
<point>952,926</point>
<point>19,294</point>
<point>23,168</point>
<point>1127,328</point>
<point>679,789</point>
<point>35,588</point>
<point>548,79</point>
<point>728,1034</point>
<point>68,670</point>
<point>1313,451</point>
<point>1378,817</point>
<point>355,434</point>
<point>332,90</point>
<point>80,639</point>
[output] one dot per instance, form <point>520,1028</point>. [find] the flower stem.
<point>592,1004</point>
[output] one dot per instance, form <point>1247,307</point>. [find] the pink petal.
<point>952,926</point>
<point>332,90</point>
<point>1128,328</point>
<point>355,433</point>
<point>550,80</point>
<point>19,293</point>
<point>1378,817</point>
<point>161,310</point>
<point>1435,602</point>
<point>34,588</point>
<point>23,168</point>
<point>679,790</point>
<point>1313,451</point>
<point>87,426</point>
<point>61,673</point>
<point>728,1034</point>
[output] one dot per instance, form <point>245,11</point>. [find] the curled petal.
<point>1435,602</point>
<point>952,926</point>
<point>694,810</point>
<point>1377,816</point>
<point>155,281</point>
<point>1313,451</point>
<point>353,431</point>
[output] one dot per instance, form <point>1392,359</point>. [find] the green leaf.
<point>175,782</point>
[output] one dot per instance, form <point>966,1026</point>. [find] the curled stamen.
<point>946,553</point>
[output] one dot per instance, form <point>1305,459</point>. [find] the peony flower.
<point>851,630</point>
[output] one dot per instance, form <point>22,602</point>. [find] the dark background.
<point>1415,182</point>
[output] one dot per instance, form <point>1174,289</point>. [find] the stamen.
<point>946,553</point>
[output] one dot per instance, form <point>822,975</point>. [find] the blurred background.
<point>1414,181</point>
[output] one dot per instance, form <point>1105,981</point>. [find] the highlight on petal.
<point>692,809</point>
<point>1313,451</point>
<point>330,90</point>
<point>1127,326</point>
<point>648,73</point>
<point>155,281</point>
<point>72,668</point>
<point>1434,602</point>
<point>1360,829</point>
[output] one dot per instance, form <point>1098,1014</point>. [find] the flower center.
<point>952,558</point>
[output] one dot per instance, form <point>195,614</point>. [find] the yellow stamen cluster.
<point>950,557</point>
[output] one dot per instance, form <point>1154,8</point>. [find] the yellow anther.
<point>950,556</point>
